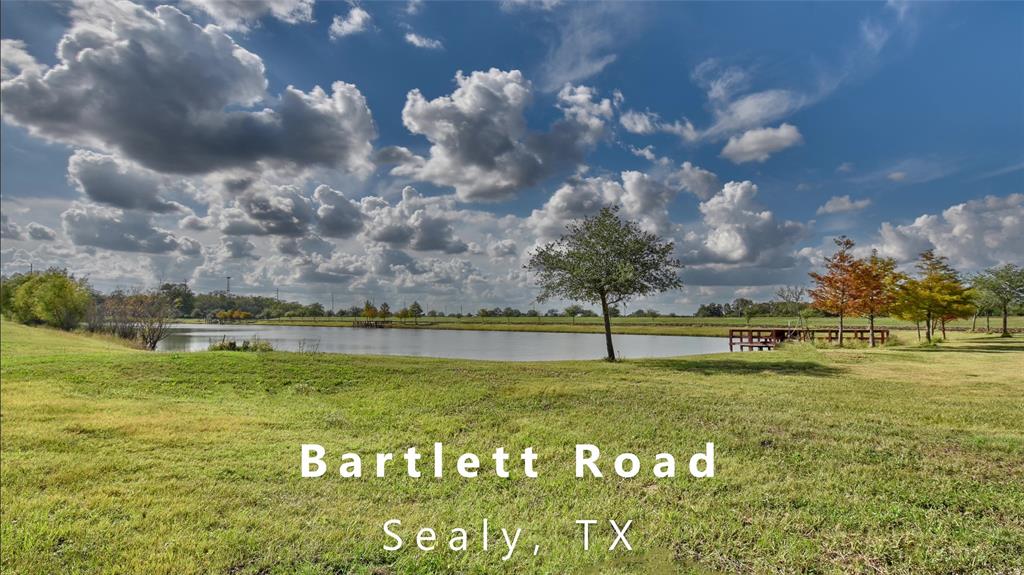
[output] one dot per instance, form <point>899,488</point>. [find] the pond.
<point>457,344</point>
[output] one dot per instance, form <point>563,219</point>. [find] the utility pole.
<point>332,303</point>
<point>277,294</point>
<point>229,283</point>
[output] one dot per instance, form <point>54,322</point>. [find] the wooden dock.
<point>371,323</point>
<point>768,338</point>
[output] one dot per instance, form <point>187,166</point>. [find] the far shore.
<point>670,326</point>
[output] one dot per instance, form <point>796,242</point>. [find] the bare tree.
<point>791,296</point>
<point>152,312</point>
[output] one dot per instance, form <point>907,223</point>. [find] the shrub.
<point>53,297</point>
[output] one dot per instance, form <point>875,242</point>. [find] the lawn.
<point>899,460</point>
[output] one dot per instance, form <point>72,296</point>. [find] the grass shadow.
<point>981,345</point>
<point>744,367</point>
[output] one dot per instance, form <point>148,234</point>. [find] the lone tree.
<point>1002,286</point>
<point>604,259</point>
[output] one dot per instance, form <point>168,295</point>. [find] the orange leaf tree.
<point>875,285</point>
<point>835,291</point>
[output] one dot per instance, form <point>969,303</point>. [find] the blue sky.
<point>749,133</point>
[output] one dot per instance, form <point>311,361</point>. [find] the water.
<point>459,344</point>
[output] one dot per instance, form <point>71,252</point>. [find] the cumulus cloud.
<point>114,182</point>
<point>415,222</point>
<point>696,180</point>
<point>263,209</point>
<point>241,15</point>
<point>973,234</point>
<point>9,229</point>
<point>15,59</point>
<point>191,112</point>
<point>40,232</point>
<point>118,230</point>
<point>357,20</point>
<point>758,145</point>
<point>734,229</point>
<point>423,42</point>
<point>337,216</point>
<point>502,249</point>
<point>237,248</point>
<point>480,144</point>
<point>642,197</point>
<point>842,204</point>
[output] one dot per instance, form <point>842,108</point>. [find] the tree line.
<point>934,294</point>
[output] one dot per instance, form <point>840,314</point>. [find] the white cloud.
<point>415,222</point>
<point>241,15</point>
<point>480,144</point>
<point>587,34</point>
<point>108,180</point>
<point>9,229</point>
<point>193,111</point>
<point>413,7</point>
<point>758,145</point>
<point>357,20</point>
<point>735,230</point>
<point>15,59</point>
<point>40,232</point>
<point>423,42</point>
<point>842,204</point>
<point>337,216</point>
<point>118,230</point>
<point>973,234</point>
<point>696,180</point>
<point>502,249</point>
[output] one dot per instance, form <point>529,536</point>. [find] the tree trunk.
<point>607,328</point>
<point>988,321</point>
<point>871,330</point>
<point>974,322</point>
<point>840,330</point>
<point>1006,314</point>
<point>918,324</point>
<point>942,322</point>
<point>928,326</point>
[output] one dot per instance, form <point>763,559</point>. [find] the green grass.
<point>697,326</point>
<point>900,460</point>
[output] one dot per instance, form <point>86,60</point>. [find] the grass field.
<point>699,326</point>
<point>898,460</point>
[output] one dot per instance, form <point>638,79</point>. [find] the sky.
<point>406,151</point>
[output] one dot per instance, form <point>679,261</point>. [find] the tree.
<point>938,292</point>
<point>876,284</point>
<point>835,291</point>
<point>384,310</point>
<point>369,310</point>
<point>791,296</point>
<point>53,297</point>
<point>152,312</point>
<point>415,311</point>
<point>604,259</point>
<point>1002,286</point>
<point>180,297</point>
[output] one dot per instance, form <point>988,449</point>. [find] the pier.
<point>765,339</point>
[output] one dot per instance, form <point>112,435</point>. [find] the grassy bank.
<point>902,460</point>
<point>696,326</point>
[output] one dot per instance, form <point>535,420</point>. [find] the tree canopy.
<point>607,260</point>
